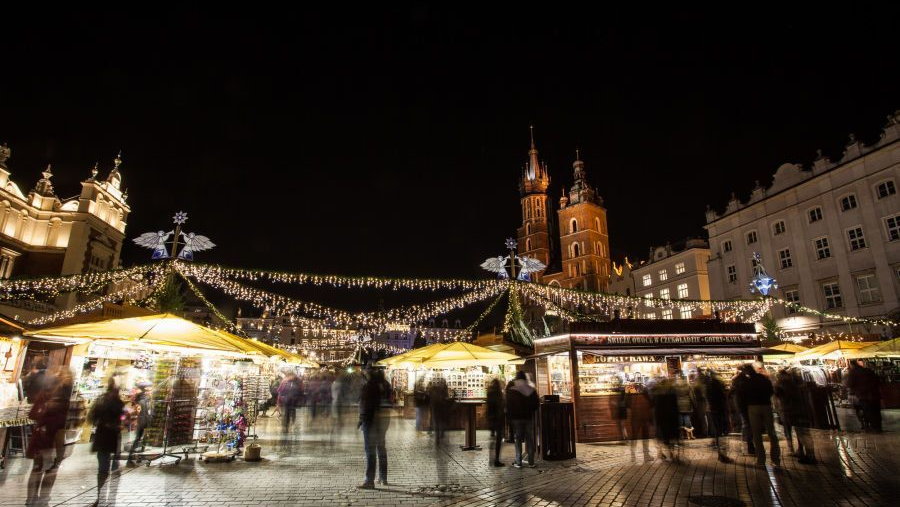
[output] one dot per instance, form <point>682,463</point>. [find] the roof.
<point>662,326</point>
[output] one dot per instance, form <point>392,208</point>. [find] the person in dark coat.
<point>49,413</point>
<point>374,418</point>
<point>106,415</point>
<point>37,381</point>
<point>787,397</point>
<point>639,404</point>
<point>740,404</point>
<point>439,400</point>
<point>864,384</point>
<point>756,392</point>
<point>666,417</point>
<point>717,412</point>
<point>144,416</point>
<point>521,403</point>
<point>618,407</point>
<point>496,417</point>
<point>289,393</point>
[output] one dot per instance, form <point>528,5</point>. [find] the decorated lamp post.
<point>526,265</point>
<point>192,242</point>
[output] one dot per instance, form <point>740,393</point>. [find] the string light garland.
<point>538,298</point>
<point>126,294</point>
<point>91,282</point>
<point>229,325</point>
<point>833,316</point>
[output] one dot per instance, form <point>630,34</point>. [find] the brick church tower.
<point>534,235</point>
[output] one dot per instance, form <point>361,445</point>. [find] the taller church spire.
<point>536,179</point>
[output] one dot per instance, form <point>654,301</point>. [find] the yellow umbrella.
<point>890,348</point>
<point>410,354</point>
<point>788,349</point>
<point>163,330</point>
<point>267,350</point>
<point>832,350</point>
<point>451,355</point>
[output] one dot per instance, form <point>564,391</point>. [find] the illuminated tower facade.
<point>534,235</point>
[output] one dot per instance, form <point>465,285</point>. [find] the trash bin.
<point>557,431</point>
<point>252,452</point>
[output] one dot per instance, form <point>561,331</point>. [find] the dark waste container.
<point>557,431</point>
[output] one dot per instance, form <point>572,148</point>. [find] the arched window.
<point>597,223</point>
<point>573,226</point>
<point>575,251</point>
<point>527,245</point>
<point>528,230</point>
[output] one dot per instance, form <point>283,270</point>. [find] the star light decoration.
<point>504,271</point>
<point>157,241</point>
<point>762,282</point>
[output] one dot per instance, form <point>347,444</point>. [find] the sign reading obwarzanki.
<point>647,340</point>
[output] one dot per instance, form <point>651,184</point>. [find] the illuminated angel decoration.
<point>155,241</point>
<point>194,243</point>
<point>527,265</point>
<point>496,265</point>
<point>762,282</point>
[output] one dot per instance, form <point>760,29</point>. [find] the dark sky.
<point>390,142</point>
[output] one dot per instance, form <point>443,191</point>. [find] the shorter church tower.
<point>584,238</point>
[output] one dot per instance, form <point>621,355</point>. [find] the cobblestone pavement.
<point>319,467</point>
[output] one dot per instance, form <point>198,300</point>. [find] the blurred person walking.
<point>142,406</point>
<point>521,404</point>
<point>685,398</point>
<point>757,393</point>
<point>439,400</point>
<point>289,393</point>
<point>106,416</point>
<point>864,384</point>
<point>640,422</point>
<point>49,410</point>
<point>666,416</point>
<point>717,413</point>
<point>421,401</point>
<point>374,419</point>
<point>737,383</point>
<point>496,417</point>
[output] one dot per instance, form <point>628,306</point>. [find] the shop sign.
<point>666,340</point>
<point>593,359</point>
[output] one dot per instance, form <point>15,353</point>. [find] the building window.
<point>597,223</point>
<point>893,227</point>
<point>679,268</point>
<point>823,251</point>
<point>751,237</point>
<point>868,289</point>
<point>663,293</point>
<point>647,300</point>
<point>732,274</point>
<point>815,214</point>
<point>575,252</point>
<point>785,257</point>
<point>527,229</point>
<point>573,226</point>
<point>778,228</point>
<point>832,293</point>
<point>856,238</point>
<point>885,189</point>
<point>687,313</point>
<point>848,202</point>
<point>667,314</point>
<point>650,316</point>
<point>792,296</point>
<point>726,246</point>
<point>663,276</point>
<point>647,280</point>
<point>682,291</point>
<point>527,245</point>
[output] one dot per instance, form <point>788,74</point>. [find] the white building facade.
<point>829,235</point>
<point>678,272</point>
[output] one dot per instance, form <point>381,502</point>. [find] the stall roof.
<point>832,350</point>
<point>662,327</point>
<point>878,349</point>
<point>450,355</point>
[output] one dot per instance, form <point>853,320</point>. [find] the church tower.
<point>584,238</point>
<point>533,235</point>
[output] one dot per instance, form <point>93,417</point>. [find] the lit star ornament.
<point>180,218</point>
<point>762,282</point>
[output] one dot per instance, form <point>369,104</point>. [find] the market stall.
<point>782,354</point>
<point>467,370</point>
<point>595,364</point>
<point>884,359</point>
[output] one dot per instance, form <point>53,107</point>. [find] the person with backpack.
<point>521,403</point>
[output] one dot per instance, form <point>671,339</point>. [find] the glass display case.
<point>560,370</point>
<point>596,377</point>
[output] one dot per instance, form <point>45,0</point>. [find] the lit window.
<point>575,251</point>
<point>785,257</point>
<point>885,189</point>
<point>650,316</point>
<point>848,202</point>
<point>726,246</point>
<point>815,214</point>
<point>528,245</point>
<point>732,274</point>
<point>573,226</point>
<point>822,249</point>
<point>679,268</point>
<point>647,300</point>
<point>663,276</point>
<point>868,289</point>
<point>667,314</point>
<point>647,280</point>
<point>751,237</point>
<point>682,291</point>
<point>779,227</point>
<point>663,293</point>
<point>856,238</point>
<point>687,313</point>
<point>792,296</point>
<point>893,227</point>
<point>833,297</point>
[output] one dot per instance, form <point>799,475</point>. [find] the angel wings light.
<point>157,241</point>
<point>502,265</point>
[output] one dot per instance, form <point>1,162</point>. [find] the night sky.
<point>391,142</point>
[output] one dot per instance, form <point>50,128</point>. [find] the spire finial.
<point>118,160</point>
<point>47,173</point>
<point>531,128</point>
<point>577,154</point>
<point>95,170</point>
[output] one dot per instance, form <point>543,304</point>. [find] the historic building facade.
<point>579,256</point>
<point>674,272</point>
<point>43,235</point>
<point>830,235</point>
